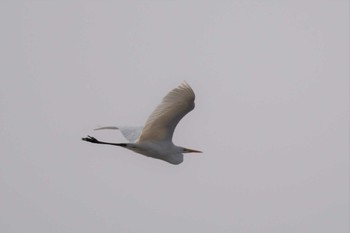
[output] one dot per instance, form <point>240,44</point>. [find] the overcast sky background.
<point>272,115</point>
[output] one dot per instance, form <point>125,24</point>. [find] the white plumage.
<point>155,138</point>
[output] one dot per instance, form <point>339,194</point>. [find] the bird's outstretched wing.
<point>130,133</point>
<point>161,124</point>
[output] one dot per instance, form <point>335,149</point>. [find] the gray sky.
<point>272,115</point>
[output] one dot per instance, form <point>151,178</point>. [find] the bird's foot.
<point>90,139</point>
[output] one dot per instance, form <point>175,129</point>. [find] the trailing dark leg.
<point>94,140</point>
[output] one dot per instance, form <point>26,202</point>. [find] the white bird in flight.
<point>155,138</point>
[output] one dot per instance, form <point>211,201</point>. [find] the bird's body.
<point>164,151</point>
<point>155,138</point>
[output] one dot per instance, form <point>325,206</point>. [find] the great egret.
<point>155,138</point>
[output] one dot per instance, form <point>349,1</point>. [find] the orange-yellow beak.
<point>186,150</point>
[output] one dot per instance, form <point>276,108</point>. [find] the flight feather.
<point>162,122</point>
